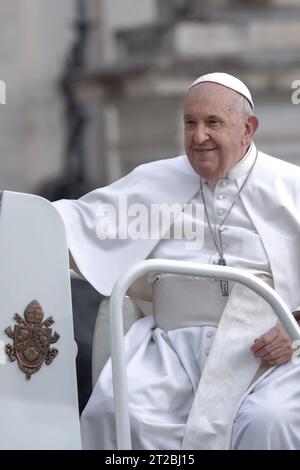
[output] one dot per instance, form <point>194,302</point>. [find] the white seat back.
<point>40,413</point>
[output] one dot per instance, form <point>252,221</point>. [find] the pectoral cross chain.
<point>224,284</point>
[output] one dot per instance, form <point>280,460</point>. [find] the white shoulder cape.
<point>271,198</point>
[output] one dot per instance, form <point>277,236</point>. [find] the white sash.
<point>229,369</point>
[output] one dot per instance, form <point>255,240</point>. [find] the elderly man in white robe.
<point>211,368</point>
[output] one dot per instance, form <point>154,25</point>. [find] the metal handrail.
<point>175,267</point>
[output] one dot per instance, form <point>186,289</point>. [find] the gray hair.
<point>243,106</point>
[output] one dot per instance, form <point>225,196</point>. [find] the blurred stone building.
<point>152,50</point>
<point>30,62</point>
<point>140,55</point>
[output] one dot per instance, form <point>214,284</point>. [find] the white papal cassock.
<point>166,353</point>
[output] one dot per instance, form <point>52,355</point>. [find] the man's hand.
<point>274,347</point>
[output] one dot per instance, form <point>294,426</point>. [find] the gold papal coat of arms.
<point>32,339</point>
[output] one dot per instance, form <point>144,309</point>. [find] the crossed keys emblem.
<point>32,338</point>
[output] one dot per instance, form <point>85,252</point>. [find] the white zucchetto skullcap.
<point>226,80</point>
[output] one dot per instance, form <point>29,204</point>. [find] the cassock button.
<point>209,334</point>
<point>220,197</point>
<point>223,183</point>
<point>220,211</point>
<point>206,352</point>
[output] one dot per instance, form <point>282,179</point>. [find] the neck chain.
<point>221,260</point>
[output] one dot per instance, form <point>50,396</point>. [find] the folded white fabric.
<point>229,370</point>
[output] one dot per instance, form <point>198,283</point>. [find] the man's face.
<point>216,133</point>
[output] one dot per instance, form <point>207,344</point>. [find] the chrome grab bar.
<point>175,267</point>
